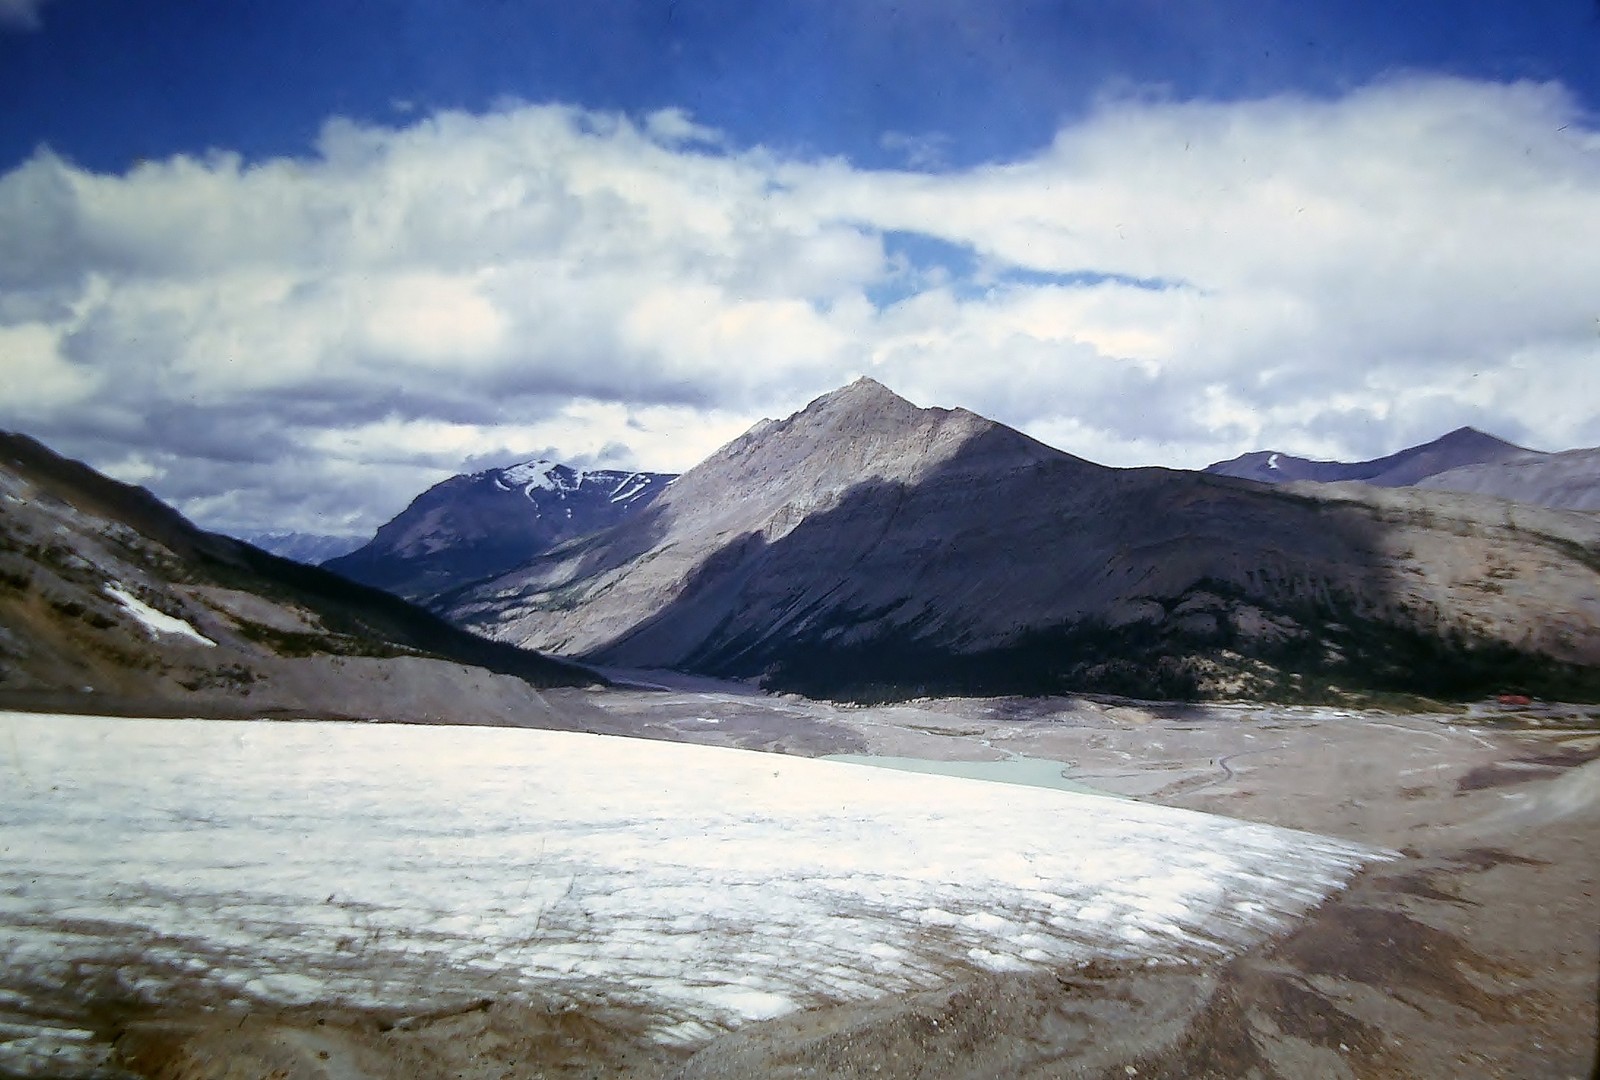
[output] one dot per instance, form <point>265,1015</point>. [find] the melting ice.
<point>184,862</point>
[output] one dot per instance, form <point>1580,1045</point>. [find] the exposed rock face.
<point>110,600</point>
<point>1464,446</point>
<point>865,546</point>
<point>472,527</point>
<point>1569,480</point>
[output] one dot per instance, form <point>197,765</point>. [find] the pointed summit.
<point>1468,436</point>
<point>863,396</point>
<point>862,389</point>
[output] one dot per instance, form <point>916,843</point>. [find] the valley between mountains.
<point>1337,723</point>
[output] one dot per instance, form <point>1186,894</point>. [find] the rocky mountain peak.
<point>865,403</point>
<point>1467,436</point>
<point>839,467</point>
<point>864,391</point>
<point>863,432</point>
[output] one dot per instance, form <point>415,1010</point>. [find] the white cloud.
<point>677,126</point>
<point>37,375</point>
<point>1166,282</point>
<point>430,318</point>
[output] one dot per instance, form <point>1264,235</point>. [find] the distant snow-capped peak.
<point>541,474</point>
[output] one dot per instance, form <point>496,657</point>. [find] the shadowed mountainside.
<point>106,594</point>
<point>865,547</point>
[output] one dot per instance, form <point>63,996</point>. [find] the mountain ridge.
<point>866,540</point>
<point>1462,446</point>
<point>859,433</point>
<point>108,594</point>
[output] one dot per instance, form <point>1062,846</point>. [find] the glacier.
<point>177,864</point>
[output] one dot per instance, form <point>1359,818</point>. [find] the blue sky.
<point>287,263</point>
<point>109,82</point>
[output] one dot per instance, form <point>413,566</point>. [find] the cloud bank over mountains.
<point>310,342</point>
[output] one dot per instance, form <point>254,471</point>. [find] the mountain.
<point>1465,460</point>
<point>302,547</point>
<point>472,527</point>
<point>1463,446</point>
<point>111,601</point>
<point>1569,480</point>
<point>865,547</point>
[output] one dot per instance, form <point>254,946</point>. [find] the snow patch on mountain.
<point>541,475</point>
<point>157,622</point>
<point>631,488</point>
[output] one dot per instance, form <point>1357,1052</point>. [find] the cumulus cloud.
<point>308,342</point>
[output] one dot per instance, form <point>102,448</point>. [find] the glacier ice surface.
<point>256,863</point>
